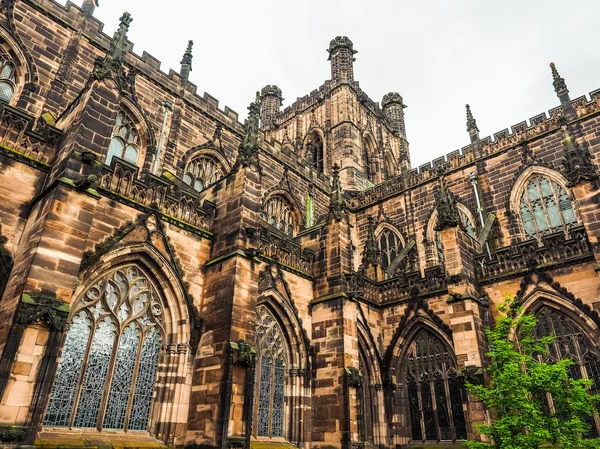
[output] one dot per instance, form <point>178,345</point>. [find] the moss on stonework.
<point>17,155</point>
<point>270,445</point>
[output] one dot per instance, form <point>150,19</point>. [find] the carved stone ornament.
<point>354,377</point>
<point>248,151</point>
<point>337,203</point>
<point>48,309</point>
<point>577,164</point>
<point>446,207</point>
<point>371,251</point>
<point>242,354</point>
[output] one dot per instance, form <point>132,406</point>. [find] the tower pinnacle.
<point>560,87</point>
<point>341,55</point>
<point>472,125</point>
<point>186,61</point>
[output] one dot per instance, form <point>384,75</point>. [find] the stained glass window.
<point>278,213</point>
<point>114,338</point>
<point>125,140</point>
<point>269,408</point>
<point>545,208</point>
<point>570,342</point>
<point>201,172</point>
<point>435,393</point>
<point>390,247</point>
<point>7,79</point>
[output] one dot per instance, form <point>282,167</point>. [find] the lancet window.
<point>271,366</point>
<point>435,392</point>
<point>7,79</point>
<point>545,208</point>
<point>278,213</point>
<point>570,342</point>
<point>106,373</point>
<point>125,140</point>
<point>390,246</point>
<point>315,152</point>
<point>201,172</point>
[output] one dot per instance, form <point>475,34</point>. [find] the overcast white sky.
<point>439,55</point>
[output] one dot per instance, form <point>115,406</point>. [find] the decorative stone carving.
<point>371,251</point>
<point>354,377</point>
<point>446,207</point>
<point>337,203</point>
<point>48,309</point>
<point>248,151</point>
<point>242,354</point>
<point>577,164</point>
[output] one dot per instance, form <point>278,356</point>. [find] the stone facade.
<point>171,276</point>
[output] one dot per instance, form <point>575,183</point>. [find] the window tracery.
<point>435,392</point>
<point>467,224</point>
<point>570,342</point>
<point>278,213</point>
<point>315,152</point>
<point>201,172</point>
<point>545,208</point>
<point>390,246</point>
<point>7,79</point>
<point>125,140</point>
<point>106,374</point>
<point>271,366</point>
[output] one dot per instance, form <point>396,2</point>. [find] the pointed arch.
<point>282,211</point>
<point>390,164</point>
<point>467,223</point>
<point>370,157</point>
<point>315,150</point>
<point>430,392</point>
<point>543,202</point>
<point>279,411</point>
<point>390,242</point>
<point>203,167</point>
<point>24,72</point>
<point>128,312</point>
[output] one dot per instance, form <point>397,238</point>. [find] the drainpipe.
<point>168,106</point>
<point>473,179</point>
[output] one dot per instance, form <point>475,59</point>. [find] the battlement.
<point>539,125</point>
<point>147,65</point>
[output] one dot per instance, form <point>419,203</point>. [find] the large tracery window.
<point>571,342</point>
<point>278,213</point>
<point>435,392</point>
<point>390,246</point>
<point>105,377</point>
<point>201,172</point>
<point>125,140</point>
<point>545,208</point>
<point>7,79</point>
<point>271,369</point>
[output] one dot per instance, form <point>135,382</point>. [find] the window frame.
<point>11,79</point>
<point>278,208</point>
<point>124,121</point>
<point>194,175</point>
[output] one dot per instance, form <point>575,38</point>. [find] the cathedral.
<point>174,276</point>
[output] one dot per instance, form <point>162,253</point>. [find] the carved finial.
<point>249,147</point>
<point>117,46</point>
<point>89,6</point>
<point>186,62</point>
<point>472,125</point>
<point>337,203</point>
<point>446,207</point>
<point>577,164</point>
<point>371,251</point>
<point>112,63</point>
<point>560,87</point>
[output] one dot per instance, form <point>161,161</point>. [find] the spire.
<point>186,61</point>
<point>112,62</point>
<point>371,251</point>
<point>472,125</point>
<point>560,87</point>
<point>337,204</point>
<point>446,207</point>
<point>577,164</point>
<point>249,146</point>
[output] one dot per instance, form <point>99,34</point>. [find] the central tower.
<point>341,55</point>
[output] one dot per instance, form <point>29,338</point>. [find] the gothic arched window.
<point>435,392</point>
<point>390,246</point>
<point>7,79</point>
<point>125,140</point>
<point>105,377</point>
<point>270,376</point>
<point>201,172</point>
<point>315,151</point>
<point>278,213</point>
<point>571,342</point>
<point>545,208</point>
